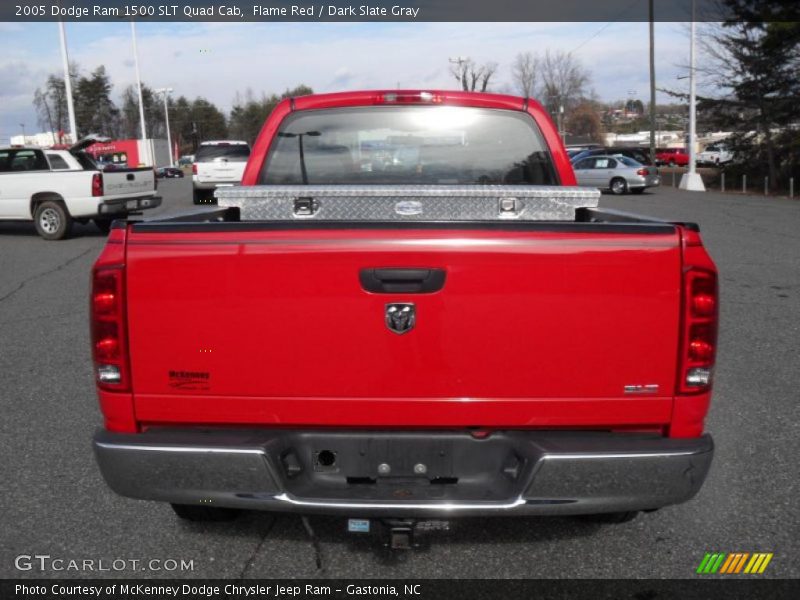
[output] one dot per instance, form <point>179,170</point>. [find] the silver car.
<point>618,174</point>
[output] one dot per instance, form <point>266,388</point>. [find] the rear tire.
<point>618,186</point>
<point>205,513</point>
<point>613,518</point>
<point>52,220</point>
<point>104,225</point>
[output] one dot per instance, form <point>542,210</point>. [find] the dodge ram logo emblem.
<point>408,208</point>
<point>401,316</point>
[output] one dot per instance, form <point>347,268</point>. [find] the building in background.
<point>43,140</point>
<point>132,153</point>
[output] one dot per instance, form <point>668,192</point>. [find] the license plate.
<point>358,525</point>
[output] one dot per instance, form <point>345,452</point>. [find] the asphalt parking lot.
<point>55,502</point>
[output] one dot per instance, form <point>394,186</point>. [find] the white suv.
<point>217,163</point>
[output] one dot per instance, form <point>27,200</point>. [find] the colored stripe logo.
<point>734,563</point>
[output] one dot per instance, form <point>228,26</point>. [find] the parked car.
<point>405,342</point>
<point>673,157</point>
<point>715,155</point>
<point>168,172</point>
<point>56,187</point>
<point>571,153</point>
<point>582,147</point>
<point>618,174</point>
<point>640,155</point>
<point>217,163</point>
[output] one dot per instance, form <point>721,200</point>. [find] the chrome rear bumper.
<point>508,473</point>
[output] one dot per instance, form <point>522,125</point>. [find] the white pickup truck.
<point>715,155</point>
<point>56,187</point>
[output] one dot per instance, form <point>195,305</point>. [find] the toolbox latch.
<point>305,206</point>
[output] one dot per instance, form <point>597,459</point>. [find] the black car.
<point>168,172</point>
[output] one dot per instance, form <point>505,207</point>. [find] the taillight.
<point>97,184</point>
<point>109,340</point>
<point>699,339</point>
<point>408,98</point>
<point>643,172</point>
<point>194,168</point>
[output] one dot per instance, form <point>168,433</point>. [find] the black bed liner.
<point>212,218</point>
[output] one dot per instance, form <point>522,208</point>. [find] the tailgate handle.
<point>131,177</point>
<point>402,280</point>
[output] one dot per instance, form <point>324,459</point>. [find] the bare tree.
<point>524,73</point>
<point>584,121</point>
<point>470,75</point>
<point>42,103</point>
<point>51,102</point>
<point>564,80</point>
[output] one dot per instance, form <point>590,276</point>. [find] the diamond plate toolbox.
<point>407,203</point>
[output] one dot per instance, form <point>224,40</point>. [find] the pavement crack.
<point>59,267</point>
<point>251,559</point>
<point>44,317</point>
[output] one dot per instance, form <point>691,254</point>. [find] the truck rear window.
<point>231,152</point>
<point>408,145</point>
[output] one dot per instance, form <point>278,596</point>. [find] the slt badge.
<point>401,317</point>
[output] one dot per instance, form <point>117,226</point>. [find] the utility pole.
<point>692,181</point>
<point>460,60</point>
<point>652,85</point>
<point>67,83</point>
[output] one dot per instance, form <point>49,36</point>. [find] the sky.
<point>215,60</point>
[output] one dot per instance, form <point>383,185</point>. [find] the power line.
<point>606,26</point>
<point>598,32</point>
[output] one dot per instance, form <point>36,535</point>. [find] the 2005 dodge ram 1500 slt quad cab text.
<point>406,311</point>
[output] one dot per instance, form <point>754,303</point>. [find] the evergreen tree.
<point>130,126</point>
<point>248,114</point>
<point>180,122</point>
<point>95,112</point>
<point>208,122</point>
<point>756,56</point>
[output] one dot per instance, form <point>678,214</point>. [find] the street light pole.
<point>652,84</point>
<point>67,83</point>
<point>692,181</point>
<point>166,92</point>
<point>138,80</point>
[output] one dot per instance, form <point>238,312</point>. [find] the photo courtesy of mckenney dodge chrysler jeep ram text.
<point>407,310</point>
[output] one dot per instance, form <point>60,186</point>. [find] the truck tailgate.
<point>531,327</point>
<point>121,183</point>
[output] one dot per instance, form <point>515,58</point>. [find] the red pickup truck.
<point>673,157</point>
<point>452,355</point>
